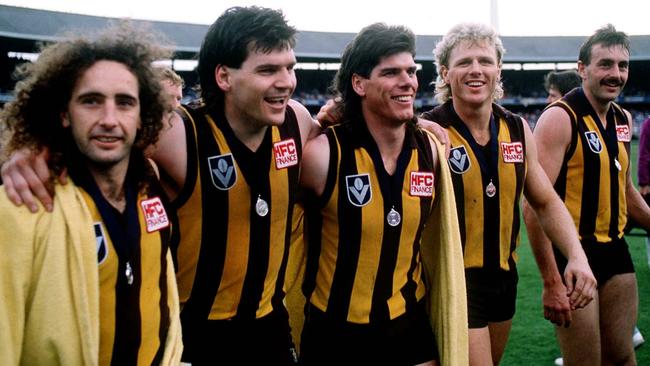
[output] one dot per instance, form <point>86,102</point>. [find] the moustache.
<point>612,82</point>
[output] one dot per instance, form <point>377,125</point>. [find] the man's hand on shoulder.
<point>330,113</point>
<point>439,131</point>
<point>27,178</point>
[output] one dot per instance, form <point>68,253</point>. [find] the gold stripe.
<point>329,243</point>
<point>574,180</point>
<point>190,215</point>
<point>624,160</point>
<point>411,216</point>
<point>150,260</point>
<point>108,273</point>
<point>279,214</point>
<point>473,196</point>
<point>604,196</point>
<point>372,223</point>
<point>150,294</point>
<point>507,196</point>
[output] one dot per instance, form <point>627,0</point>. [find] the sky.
<point>432,17</point>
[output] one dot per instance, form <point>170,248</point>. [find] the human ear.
<point>358,84</point>
<point>222,77</point>
<point>65,119</point>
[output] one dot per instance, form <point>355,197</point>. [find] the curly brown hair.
<point>44,89</point>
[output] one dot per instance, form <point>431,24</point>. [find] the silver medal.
<point>393,217</point>
<point>128,272</point>
<point>490,190</point>
<point>618,165</point>
<point>261,207</point>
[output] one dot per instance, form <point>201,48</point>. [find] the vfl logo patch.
<point>223,172</point>
<point>100,240</point>
<point>358,188</point>
<point>421,184</point>
<point>285,154</point>
<point>513,152</point>
<point>458,160</point>
<point>154,214</point>
<point>594,142</point>
<point>623,133</point>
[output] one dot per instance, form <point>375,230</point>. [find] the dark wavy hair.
<point>232,36</point>
<point>44,89</point>
<point>607,36</point>
<point>360,56</point>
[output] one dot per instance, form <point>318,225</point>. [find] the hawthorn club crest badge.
<point>458,160</point>
<point>594,142</point>
<point>358,188</point>
<point>223,171</point>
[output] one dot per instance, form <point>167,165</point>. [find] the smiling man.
<point>493,161</point>
<point>584,143</point>
<point>373,183</point>
<point>91,282</point>
<point>232,165</point>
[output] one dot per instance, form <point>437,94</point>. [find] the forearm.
<point>541,247</point>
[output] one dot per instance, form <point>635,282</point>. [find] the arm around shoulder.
<point>170,155</point>
<point>315,164</point>
<point>309,127</point>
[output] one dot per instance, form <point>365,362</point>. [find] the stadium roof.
<point>21,28</point>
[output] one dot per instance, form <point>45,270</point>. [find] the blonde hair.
<point>171,76</point>
<point>474,33</point>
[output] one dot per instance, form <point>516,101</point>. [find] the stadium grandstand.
<point>526,62</point>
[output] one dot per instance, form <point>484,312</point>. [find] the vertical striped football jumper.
<point>364,262</point>
<point>488,190</point>
<point>136,282</point>
<point>235,215</point>
<point>596,155</point>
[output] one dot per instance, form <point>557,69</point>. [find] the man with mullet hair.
<point>381,288</point>
<point>232,165</point>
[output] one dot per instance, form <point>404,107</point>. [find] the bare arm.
<point>27,178</point>
<point>550,217</point>
<point>309,127</point>
<point>170,154</point>
<point>315,165</point>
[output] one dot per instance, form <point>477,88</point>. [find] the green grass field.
<point>532,340</point>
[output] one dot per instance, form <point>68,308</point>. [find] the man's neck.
<point>600,107</point>
<point>477,120</point>
<point>389,138</point>
<point>249,133</point>
<point>111,183</point>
